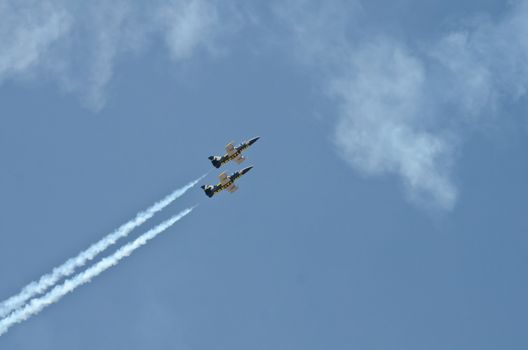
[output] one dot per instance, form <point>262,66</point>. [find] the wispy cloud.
<point>78,43</point>
<point>190,25</point>
<point>28,31</point>
<point>382,126</point>
<point>405,107</point>
<point>484,60</point>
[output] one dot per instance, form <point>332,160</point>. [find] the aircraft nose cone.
<point>245,170</point>
<point>253,140</point>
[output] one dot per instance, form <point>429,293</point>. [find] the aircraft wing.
<point>230,149</point>
<point>223,178</point>
<point>239,159</point>
<point>232,188</point>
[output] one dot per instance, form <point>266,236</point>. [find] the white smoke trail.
<point>36,305</point>
<point>68,268</point>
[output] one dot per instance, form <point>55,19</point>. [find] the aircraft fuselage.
<point>235,155</point>
<point>212,190</point>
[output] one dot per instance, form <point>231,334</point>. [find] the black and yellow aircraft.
<point>233,153</point>
<point>226,183</point>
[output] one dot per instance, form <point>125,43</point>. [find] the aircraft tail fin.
<point>215,161</point>
<point>207,190</point>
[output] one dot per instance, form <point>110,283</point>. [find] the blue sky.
<point>387,207</point>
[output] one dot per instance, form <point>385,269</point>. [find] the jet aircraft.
<point>226,183</point>
<point>233,153</point>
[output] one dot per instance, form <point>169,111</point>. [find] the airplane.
<point>233,153</point>
<point>226,183</point>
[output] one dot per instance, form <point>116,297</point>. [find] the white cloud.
<point>190,25</point>
<point>404,109</point>
<point>78,43</point>
<point>485,61</point>
<point>381,128</point>
<point>28,30</point>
